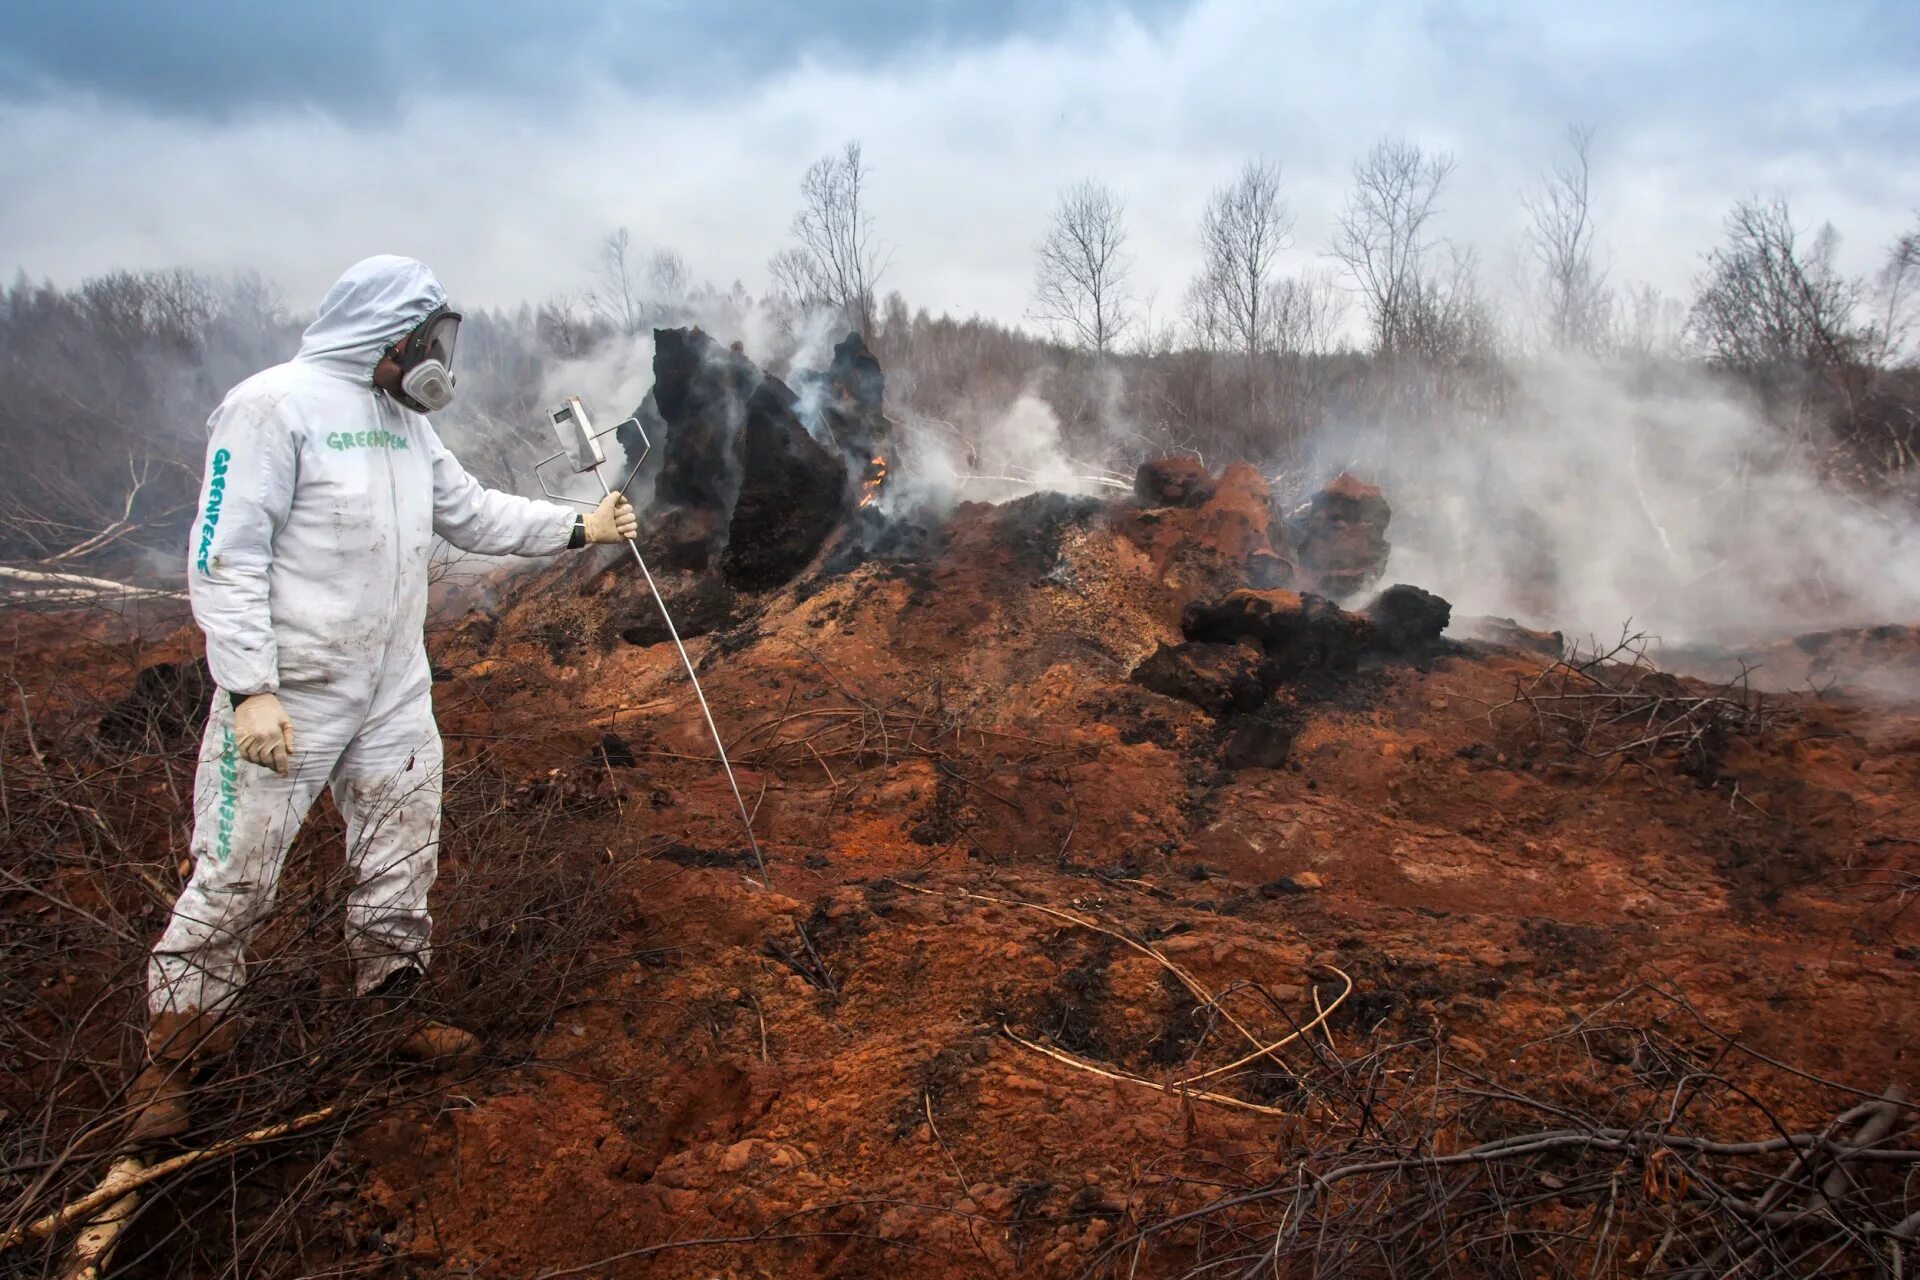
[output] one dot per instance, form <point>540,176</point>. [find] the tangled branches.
<point>1613,704</point>
<point>94,822</point>
<point>1652,1155</point>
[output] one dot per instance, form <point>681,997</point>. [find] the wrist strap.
<point>578,538</point>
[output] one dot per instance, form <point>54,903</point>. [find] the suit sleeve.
<point>475,518</point>
<point>245,494</point>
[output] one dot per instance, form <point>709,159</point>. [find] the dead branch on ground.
<point>1614,704</point>
<point>1646,1153</point>
<point>94,824</point>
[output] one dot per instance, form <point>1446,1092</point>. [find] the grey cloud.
<point>217,59</point>
<point>970,135</point>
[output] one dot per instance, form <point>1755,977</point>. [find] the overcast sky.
<point>500,140</point>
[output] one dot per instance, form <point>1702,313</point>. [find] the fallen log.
<point>132,1177</point>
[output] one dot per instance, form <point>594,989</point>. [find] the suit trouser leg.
<point>387,786</point>
<point>245,817</point>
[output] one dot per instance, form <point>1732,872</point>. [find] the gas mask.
<point>425,357</point>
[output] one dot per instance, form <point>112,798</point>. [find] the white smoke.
<point>1596,495</point>
<point>611,381</point>
<point>812,353</point>
<point>995,458</point>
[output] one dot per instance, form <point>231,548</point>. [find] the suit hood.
<point>374,302</point>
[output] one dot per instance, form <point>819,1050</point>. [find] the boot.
<point>428,1043</point>
<point>178,1044</point>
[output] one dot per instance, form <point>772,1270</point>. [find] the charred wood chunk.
<point>856,374</point>
<point>166,707</point>
<point>1407,621</point>
<point>1217,678</point>
<point>1175,481</point>
<point>1343,540</point>
<point>1296,632</point>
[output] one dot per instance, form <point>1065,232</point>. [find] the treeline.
<point>104,388</point>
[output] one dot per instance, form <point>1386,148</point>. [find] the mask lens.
<point>436,340</point>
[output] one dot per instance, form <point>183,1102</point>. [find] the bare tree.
<point>1896,287</point>
<point>1382,238</point>
<point>1306,312</point>
<point>616,296</point>
<point>1080,282</point>
<point>1649,323</point>
<point>1771,306</point>
<point>1450,319</point>
<point>1206,322</point>
<point>1152,336</point>
<point>669,284</point>
<point>835,260</point>
<point>564,323</point>
<point>1576,306</point>
<point>1245,226</point>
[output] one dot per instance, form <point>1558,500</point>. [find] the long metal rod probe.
<point>746,820</point>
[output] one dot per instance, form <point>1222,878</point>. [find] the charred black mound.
<point>1408,622</point>
<point>856,372</point>
<point>166,706</point>
<point>682,539</point>
<point>704,394</point>
<point>845,402</point>
<point>791,500</point>
<point>1296,632</point>
<point>1176,481</point>
<point>735,446</point>
<point>1244,648</point>
<point>705,606</point>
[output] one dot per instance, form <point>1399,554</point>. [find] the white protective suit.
<point>307,569</point>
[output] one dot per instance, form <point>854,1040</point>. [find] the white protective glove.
<point>613,520</point>
<point>263,733</point>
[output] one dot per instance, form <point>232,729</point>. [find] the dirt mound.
<point>1065,821</point>
<point>1510,634</point>
<point>1086,706</point>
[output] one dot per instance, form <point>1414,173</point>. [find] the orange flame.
<point>875,478</point>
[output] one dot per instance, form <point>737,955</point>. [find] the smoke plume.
<point>1597,495</point>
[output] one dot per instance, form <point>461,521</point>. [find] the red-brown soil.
<point>825,1057</point>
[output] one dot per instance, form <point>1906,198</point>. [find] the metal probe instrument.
<point>580,444</point>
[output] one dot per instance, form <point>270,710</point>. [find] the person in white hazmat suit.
<point>307,569</point>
